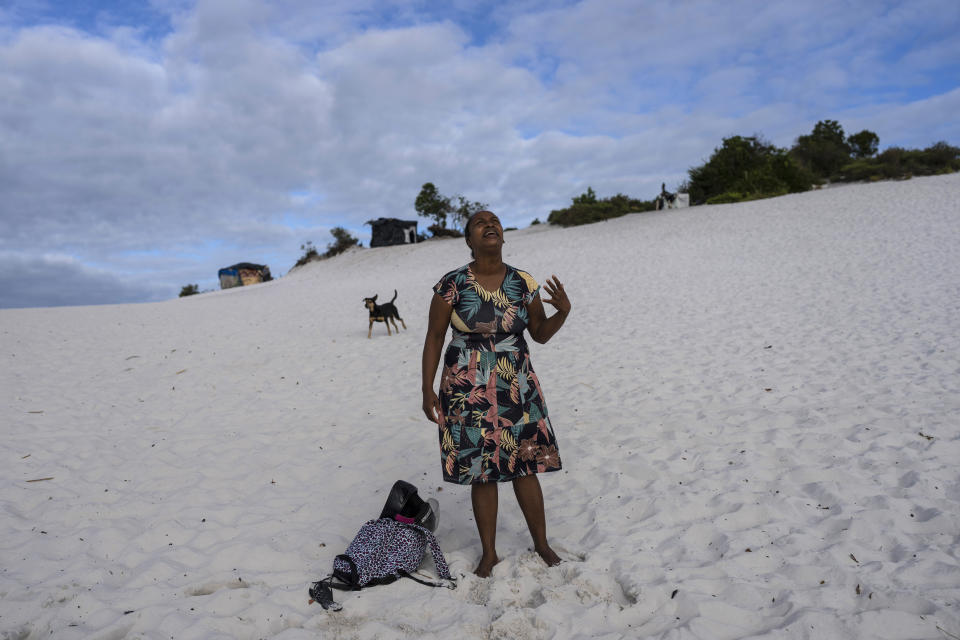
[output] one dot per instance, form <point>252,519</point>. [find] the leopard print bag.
<point>382,551</point>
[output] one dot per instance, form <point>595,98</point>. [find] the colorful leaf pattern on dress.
<point>496,426</point>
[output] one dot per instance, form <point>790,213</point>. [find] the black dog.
<point>385,313</point>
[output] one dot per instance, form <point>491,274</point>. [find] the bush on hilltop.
<point>442,232</point>
<point>863,144</point>
<point>309,254</point>
<point>587,208</point>
<point>897,162</point>
<point>343,241</point>
<point>747,168</point>
<point>825,149</point>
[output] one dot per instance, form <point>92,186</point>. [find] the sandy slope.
<point>758,410</point>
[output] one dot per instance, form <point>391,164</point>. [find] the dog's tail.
<point>394,296</point>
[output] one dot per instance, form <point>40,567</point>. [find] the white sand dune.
<point>757,405</point>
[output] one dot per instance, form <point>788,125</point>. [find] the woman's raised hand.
<point>558,296</point>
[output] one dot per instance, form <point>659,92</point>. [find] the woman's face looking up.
<point>484,230</point>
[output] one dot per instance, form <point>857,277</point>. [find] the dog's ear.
<point>374,298</point>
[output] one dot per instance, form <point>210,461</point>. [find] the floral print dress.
<point>496,426</point>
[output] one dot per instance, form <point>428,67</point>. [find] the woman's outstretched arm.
<point>540,326</point>
<point>437,325</point>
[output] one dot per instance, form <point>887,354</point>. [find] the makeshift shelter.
<point>390,231</point>
<point>244,273</point>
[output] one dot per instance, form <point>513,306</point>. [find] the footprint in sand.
<point>528,583</point>
<point>17,634</point>
<point>477,589</point>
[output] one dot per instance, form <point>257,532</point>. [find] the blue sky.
<point>144,145</point>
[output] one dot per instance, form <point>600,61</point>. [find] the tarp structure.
<point>390,231</point>
<point>244,273</point>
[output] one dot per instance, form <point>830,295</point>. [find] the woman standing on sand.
<point>493,420</point>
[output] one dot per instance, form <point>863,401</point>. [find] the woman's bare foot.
<point>486,566</point>
<point>549,556</point>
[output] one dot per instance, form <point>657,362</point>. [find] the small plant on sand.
<point>342,241</point>
<point>309,253</point>
<point>189,290</point>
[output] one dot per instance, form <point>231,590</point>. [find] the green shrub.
<point>583,214</point>
<point>587,197</point>
<point>189,290</point>
<point>899,163</point>
<point>792,177</point>
<point>726,197</point>
<point>586,209</point>
<point>342,241</point>
<point>861,170</point>
<point>442,232</point>
<point>309,254</point>
<point>729,197</point>
<point>825,149</point>
<point>749,167</point>
<point>942,157</point>
<point>863,144</point>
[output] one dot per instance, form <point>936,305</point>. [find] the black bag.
<point>404,501</point>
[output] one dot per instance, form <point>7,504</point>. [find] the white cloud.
<point>45,280</point>
<point>916,124</point>
<point>190,142</point>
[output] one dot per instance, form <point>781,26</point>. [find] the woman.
<point>492,417</point>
